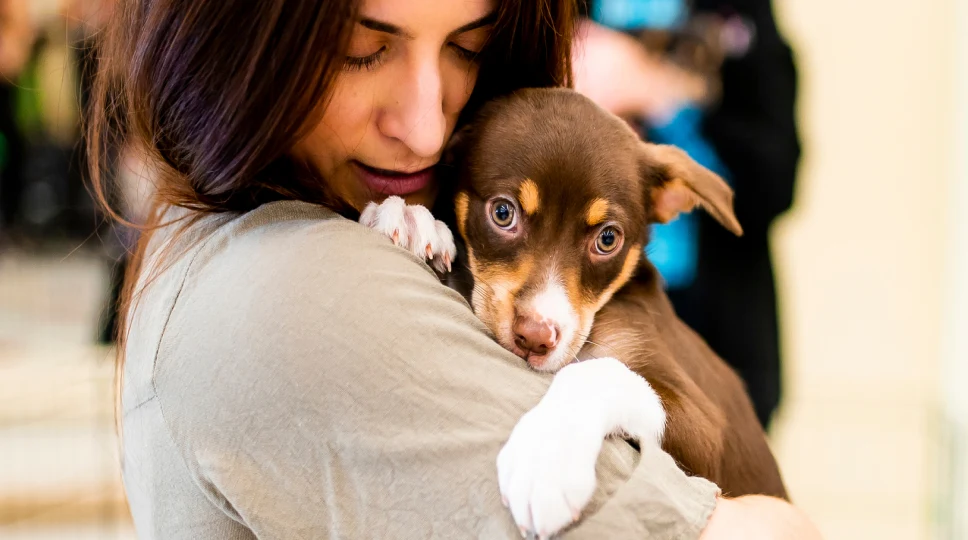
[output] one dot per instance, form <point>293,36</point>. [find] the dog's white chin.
<point>543,364</point>
<point>551,362</point>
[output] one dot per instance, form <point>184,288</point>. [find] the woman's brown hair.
<point>217,93</point>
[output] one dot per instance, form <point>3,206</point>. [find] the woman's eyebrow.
<point>475,24</point>
<point>384,27</point>
<point>392,29</point>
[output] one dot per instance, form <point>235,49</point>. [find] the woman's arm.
<point>321,382</point>
<point>757,517</point>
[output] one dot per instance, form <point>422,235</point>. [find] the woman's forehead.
<point>416,18</point>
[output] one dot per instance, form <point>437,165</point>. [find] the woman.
<point>286,372</point>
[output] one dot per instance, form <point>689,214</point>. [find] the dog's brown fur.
<point>711,427</point>
<point>570,166</point>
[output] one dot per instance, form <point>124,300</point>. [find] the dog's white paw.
<point>546,471</point>
<point>414,228</point>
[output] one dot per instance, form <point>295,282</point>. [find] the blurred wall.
<point>954,368</point>
<point>862,261</point>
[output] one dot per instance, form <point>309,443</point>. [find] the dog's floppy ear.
<point>675,183</point>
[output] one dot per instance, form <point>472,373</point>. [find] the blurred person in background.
<point>17,36</point>
<point>47,53</point>
<point>723,88</point>
<point>86,18</point>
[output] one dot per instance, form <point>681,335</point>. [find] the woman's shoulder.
<point>290,235</point>
<point>279,250</point>
<point>287,246</point>
<point>286,254</point>
<point>274,282</point>
<point>290,260</point>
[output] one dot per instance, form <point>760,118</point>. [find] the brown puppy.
<point>554,201</point>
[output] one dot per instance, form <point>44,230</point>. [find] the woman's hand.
<point>616,71</point>
<point>757,517</point>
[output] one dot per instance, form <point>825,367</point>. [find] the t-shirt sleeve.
<point>321,383</point>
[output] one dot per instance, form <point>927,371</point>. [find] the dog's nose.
<point>534,335</point>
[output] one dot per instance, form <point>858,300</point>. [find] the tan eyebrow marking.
<point>597,212</point>
<point>528,196</point>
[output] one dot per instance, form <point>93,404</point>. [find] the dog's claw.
<point>430,253</point>
<point>396,237</point>
<point>447,263</point>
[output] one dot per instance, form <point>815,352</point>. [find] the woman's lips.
<point>394,182</point>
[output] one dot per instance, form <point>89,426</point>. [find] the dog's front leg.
<point>546,471</point>
<point>412,227</point>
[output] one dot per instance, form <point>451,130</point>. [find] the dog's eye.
<point>608,240</point>
<point>502,212</point>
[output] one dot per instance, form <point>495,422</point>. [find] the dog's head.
<point>554,200</point>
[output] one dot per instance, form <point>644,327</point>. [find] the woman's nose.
<point>416,115</point>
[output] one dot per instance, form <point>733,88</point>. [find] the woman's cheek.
<point>458,85</point>
<point>350,108</point>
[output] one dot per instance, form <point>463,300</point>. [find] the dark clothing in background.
<point>732,301</point>
<point>754,126</point>
<point>12,167</point>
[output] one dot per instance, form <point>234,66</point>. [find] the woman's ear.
<point>675,183</point>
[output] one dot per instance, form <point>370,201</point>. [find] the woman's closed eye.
<point>367,49</point>
<point>356,63</point>
<point>370,61</point>
<point>375,41</point>
<point>469,43</point>
<point>463,53</point>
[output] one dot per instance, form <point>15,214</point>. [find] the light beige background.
<point>869,269</point>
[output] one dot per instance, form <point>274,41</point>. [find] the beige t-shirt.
<point>292,374</point>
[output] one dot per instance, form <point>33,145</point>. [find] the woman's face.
<point>409,71</point>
